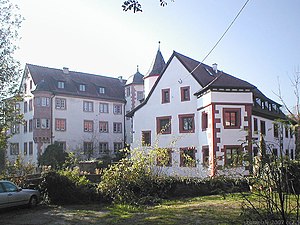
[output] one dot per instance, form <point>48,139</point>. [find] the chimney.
<point>120,79</point>
<point>215,67</point>
<point>65,70</point>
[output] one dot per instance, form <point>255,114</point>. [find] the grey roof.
<point>47,79</point>
<point>136,78</point>
<point>157,66</point>
<point>208,78</point>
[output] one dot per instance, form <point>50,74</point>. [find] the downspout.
<point>51,119</point>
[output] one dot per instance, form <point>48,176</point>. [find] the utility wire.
<point>221,36</point>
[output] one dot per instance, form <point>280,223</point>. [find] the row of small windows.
<point>61,103</point>
<point>266,105</point>
<point>103,147</point>
<point>184,94</point>
<point>287,132</point>
<point>81,87</point>
<point>27,148</point>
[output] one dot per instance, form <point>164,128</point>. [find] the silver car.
<point>12,195</point>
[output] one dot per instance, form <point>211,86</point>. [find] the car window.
<point>9,187</point>
<point>1,188</point>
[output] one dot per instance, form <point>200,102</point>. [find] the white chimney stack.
<point>215,67</point>
<point>65,70</point>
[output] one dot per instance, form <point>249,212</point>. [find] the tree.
<point>53,156</point>
<point>10,72</point>
<point>136,6</point>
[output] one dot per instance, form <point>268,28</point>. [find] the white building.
<point>213,117</point>
<point>83,112</point>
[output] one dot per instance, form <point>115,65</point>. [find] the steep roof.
<point>157,65</point>
<point>136,78</point>
<point>47,79</point>
<point>207,79</point>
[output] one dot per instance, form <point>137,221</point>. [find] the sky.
<point>96,36</point>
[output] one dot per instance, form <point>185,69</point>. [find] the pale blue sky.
<point>96,36</point>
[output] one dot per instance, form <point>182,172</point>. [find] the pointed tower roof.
<point>157,65</point>
<point>136,78</point>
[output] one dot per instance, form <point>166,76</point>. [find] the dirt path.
<point>48,215</point>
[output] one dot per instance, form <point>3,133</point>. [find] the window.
<point>231,118</point>
<point>15,129</point>
<point>255,151</point>
<point>30,125</point>
<point>101,90</point>
<point>103,127</point>
<point>188,157</point>
<point>292,154</point>
<point>61,84</point>
<point>263,127</point>
<point>233,156</point>
<point>103,107</point>
<point>286,129</point>
<point>60,124</point>
<point>38,123</point>
<point>30,105</point>
<point>117,127</point>
<point>60,103</point>
<point>62,144</point>
<point>185,93</point>
<point>88,106</point>
<point>163,125</point>
<point>25,148</point>
<point>30,84</point>
<point>117,146</point>
<point>146,138</point>
<point>255,125</point>
<point>139,95</point>
<point>276,128</point>
<point>204,120</point>
<point>82,87</point>
<point>30,148</point>
<point>88,148</point>
<point>25,126</point>
<point>103,147</point>
<point>88,125</point>
<point>165,95</point>
<point>186,123</point>
<point>42,101</point>
<point>291,132</point>
<point>128,91</point>
<point>118,109</point>
<point>14,149</point>
<point>45,123</point>
<point>205,156</point>
<point>25,107</point>
<point>9,187</point>
<point>164,157</point>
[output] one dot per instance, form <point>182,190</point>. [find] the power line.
<point>221,36</point>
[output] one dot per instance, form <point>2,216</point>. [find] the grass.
<point>201,210</point>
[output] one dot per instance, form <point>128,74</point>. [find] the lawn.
<point>201,210</point>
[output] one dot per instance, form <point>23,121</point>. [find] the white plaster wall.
<point>174,77</point>
<point>74,136</point>
<point>149,82</point>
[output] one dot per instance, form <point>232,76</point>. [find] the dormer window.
<point>82,87</point>
<point>61,84</point>
<point>101,90</point>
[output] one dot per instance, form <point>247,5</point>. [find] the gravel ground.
<point>48,215</point>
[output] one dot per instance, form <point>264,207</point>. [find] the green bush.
<point>60,189</point>
<point>130,181</point>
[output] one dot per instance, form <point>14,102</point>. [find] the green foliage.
<point>53,156</point>
<point>60,189</point>
<point>74,176</point>
<point>10,73</point>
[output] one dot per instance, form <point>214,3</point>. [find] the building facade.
<point>82,112</point>
<point>209,117</point>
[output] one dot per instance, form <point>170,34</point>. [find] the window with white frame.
<point>61,84</point>
<point>117,127</point>
<point>88,148</point>
<point>30,148</point>
<point>81,87</point>
<point>103,127</point>
<point>60,124</point>
<point>42,101</point>
<point>103,108</point>
<point>117,146</point>
<point>88,106</point>
<point>45,123</point>
<point>60,103</point>
<point>14,149</point>
<point>88,125</point>
<point>117,109</point>
<point>101,90</point>
<point>103,147</point>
